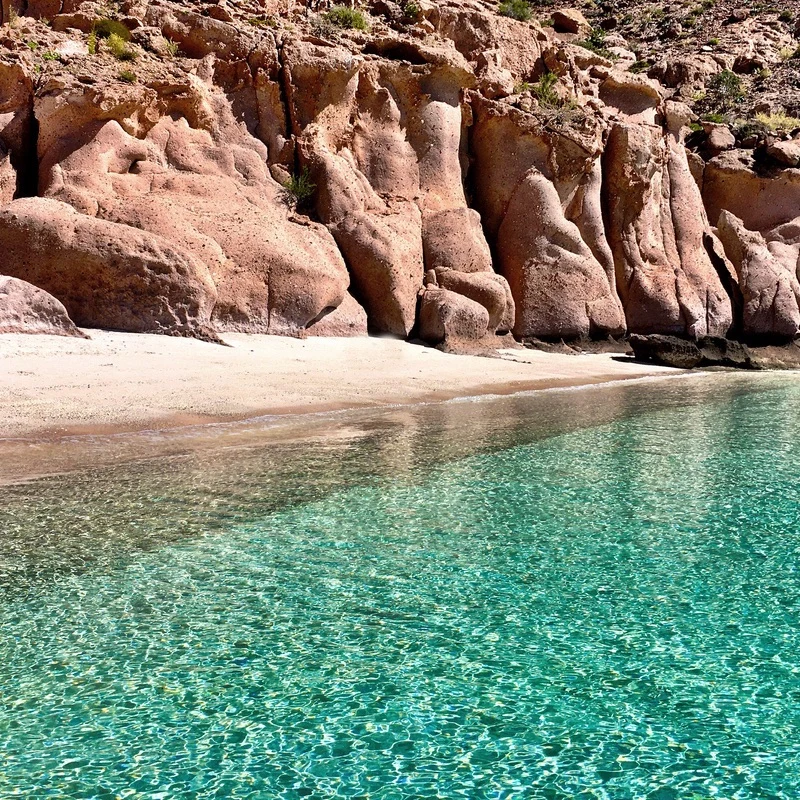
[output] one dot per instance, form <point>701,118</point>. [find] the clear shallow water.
<point>587,595</point>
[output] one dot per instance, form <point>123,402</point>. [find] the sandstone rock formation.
<point>107,275</point>
<point>539,198</point>
<point>769,286</point>
<point>657,225</point>
<point>452,173</point>
<point>24,308</point>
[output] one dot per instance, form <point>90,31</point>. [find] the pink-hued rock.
<point>454,239</point>
<point>25,308</point>
<point>656,229</point>
<point>769,287</point>
<point>198,180</point>
<point>635,96</point>
<point>383,143</point>
<point>106,275</point>
<point>384,253</point>
<point>487,288</point>
<point>17,148</point>
<point>8,177</point>
<point>570,20</point>
<point>539,193</point>
<point>761,201</point>
<point>347,319</point>
<point>786,153</point>
<point>447,315</point>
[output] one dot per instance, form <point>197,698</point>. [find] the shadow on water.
<point>159,488</point>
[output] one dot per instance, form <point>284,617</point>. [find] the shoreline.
<point>55,387</point>
<point>69,404</point>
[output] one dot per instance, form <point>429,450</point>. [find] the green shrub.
<point>412,10</point>
<point>92,43</point>
<point>516,9</point>
<point>786,16</point>
<point>713,117</point>
<point>267,22</point>
<point>171,47</point>
<point>544,91</point>
<point>726,88</point>
<point>300,187</point>
<point>127,76</point>
<point>50,55</point>
<point>596,43</point>
<point>640,66</point>
<point>779,121</point>
<point>119,48</point>
<point>106,28</point>
<point>343,17</point>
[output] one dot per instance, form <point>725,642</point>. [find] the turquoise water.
<point>585,595</point>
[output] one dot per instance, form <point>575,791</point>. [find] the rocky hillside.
<point>450,171</point>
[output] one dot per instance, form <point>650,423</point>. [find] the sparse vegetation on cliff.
<point>344,17</point>
<point>300,188</point>
<point>516,9</point>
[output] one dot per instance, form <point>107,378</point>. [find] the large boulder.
<point>770,288</point>
<point>708,351</point>
<point>106,275</point>
<point>347,319</point>
<point>487,288</point>
<point>445,316</point>
<point>25,308</point>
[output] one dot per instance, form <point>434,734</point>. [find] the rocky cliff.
<point>451,171</point>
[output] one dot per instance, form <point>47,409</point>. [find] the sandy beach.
<point>53,386</point>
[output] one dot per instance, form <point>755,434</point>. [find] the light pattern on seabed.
<point>607,612</point>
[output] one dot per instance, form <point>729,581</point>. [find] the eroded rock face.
<point>762,201</point>
<point>656,230</point>
<point>17,146</point>
<point>469,174</point>
<point>106,275</point>
<point>768,283</point>
<point>383,143</point>
<point>539,193</point>
<point>198,180</point>
<point>25,308</point>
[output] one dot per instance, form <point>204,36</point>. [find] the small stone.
<point>570,20</point>
<point>786,153</point>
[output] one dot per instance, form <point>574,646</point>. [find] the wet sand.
<point>52,386</point>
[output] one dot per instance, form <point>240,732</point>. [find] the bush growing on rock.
<point>545,91</point>
<point>348,18</point>
<point>106,28</point>
<point>516,9</point>
<point>300,188</point>
<point>119,49</point>
<point>778,121</point>
<point>725,89</point>
<point>597,43</point>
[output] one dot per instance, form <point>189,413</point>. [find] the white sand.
<point>51,385</point>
